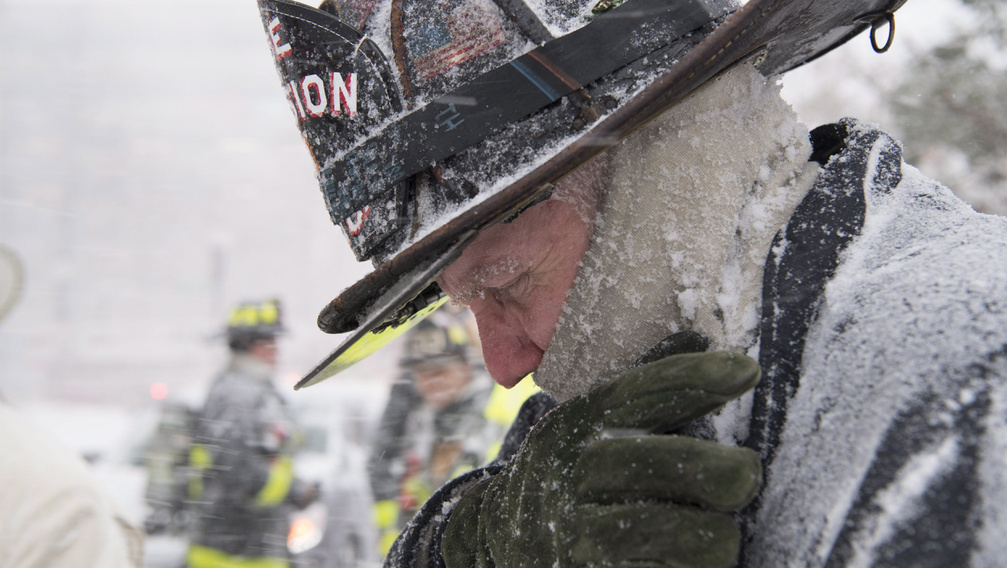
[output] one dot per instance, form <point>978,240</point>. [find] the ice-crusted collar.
<point>692,206</point>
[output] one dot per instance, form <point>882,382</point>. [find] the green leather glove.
<point>594,486</point>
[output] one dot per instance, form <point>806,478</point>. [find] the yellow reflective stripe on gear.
<point>268,312</point>
<point>386,517</point>
<point>460,469</point>
<point>386,539</point>
<point>493,450</point>
<point>196,488</point>
<point>504,404</point>
<point>457,334</point>
<point>281,477</point>
<point>200,459</point>
<point>418,488</point>
<point>206,557</point>
<point>368,344</point>
<point>251,315</point>
<point>242,316</point>
<point>386,513</point>
<point>503,407</point>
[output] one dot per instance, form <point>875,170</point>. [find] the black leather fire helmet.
<point>249,322</point>
<point>430,120</point>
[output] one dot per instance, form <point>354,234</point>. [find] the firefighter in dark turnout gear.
<point>244,486</point>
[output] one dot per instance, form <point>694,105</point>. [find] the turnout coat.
<point>881,416</point>
<point>244,487</point>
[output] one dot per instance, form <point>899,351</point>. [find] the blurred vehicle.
<point>337,424</point>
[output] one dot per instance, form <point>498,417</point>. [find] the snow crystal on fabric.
<point>913,327</point>
<point>694,201</point>
<point>562,17</point>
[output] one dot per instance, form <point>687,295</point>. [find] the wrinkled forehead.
<point>584,188</point>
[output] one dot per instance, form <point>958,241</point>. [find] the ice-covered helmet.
<point>430,120</point>
<point>249,322</point>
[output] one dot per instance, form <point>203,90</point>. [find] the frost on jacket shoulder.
<point>889,439</point>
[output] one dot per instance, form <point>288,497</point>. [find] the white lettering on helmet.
<point>345,92</point>
<point>295,100</point>
<point>312,98</point>
<point>280,50</point>
<point>355,222</point>
<point>314,83</point>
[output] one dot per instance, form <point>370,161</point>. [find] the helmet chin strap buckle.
<point>890,18</point>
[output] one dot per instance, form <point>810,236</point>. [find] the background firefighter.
<point>244,486</point>
<point>444,417</point>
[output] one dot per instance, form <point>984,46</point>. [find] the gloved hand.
<point>593,485</point>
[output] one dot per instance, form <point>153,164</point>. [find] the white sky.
<point>846,81</point>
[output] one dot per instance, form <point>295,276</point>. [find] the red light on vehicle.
<point>304,535</point>
<point>158,391</point>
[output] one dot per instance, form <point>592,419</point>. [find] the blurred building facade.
<point>150,174</point>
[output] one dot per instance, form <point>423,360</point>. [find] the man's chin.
<point>509,382</point>
<point>508,356</point>
<point>507,374</point>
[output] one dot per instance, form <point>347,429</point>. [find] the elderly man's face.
<point>515,277</point>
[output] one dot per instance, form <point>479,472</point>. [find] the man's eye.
<point>513,291</point>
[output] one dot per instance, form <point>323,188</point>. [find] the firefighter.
<point>244,489</point>
<point>444,417</point>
